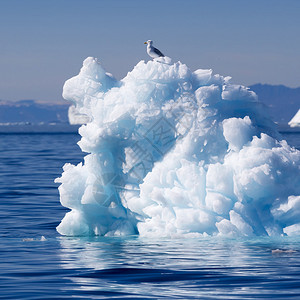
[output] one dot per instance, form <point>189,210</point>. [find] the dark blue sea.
<point>37,263</point>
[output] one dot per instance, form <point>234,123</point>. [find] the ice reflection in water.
<point>206,268</point>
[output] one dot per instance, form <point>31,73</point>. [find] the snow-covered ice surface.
<point>295,121</point>
<point>173,152</point>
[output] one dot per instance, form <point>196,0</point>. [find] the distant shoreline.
<point>15,128</point>
<point>54,128</point>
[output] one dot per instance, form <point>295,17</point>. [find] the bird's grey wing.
<point>157,52</point>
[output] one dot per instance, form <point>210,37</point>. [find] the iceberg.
<point>172,152</point>
<point>75,117</point>
<point>295,121</point>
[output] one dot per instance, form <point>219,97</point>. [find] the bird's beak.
<point>145,43</point>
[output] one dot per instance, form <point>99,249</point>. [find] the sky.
<point>43,42</point>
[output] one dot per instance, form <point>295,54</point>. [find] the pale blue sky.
<point>43,43</point>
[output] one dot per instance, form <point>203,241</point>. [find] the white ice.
<point>77,118</point>
<point>173,152</point>
<point>295,121</point>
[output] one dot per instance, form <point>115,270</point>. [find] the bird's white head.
<point>149,42</point>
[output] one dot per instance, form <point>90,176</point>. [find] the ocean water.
<point>37,263</point>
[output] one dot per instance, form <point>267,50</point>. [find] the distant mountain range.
<point>283,103</point>
<point>30,111</point>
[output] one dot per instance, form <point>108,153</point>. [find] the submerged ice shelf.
<point>173,152</point>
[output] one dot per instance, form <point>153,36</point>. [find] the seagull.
<point>153,52</point>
